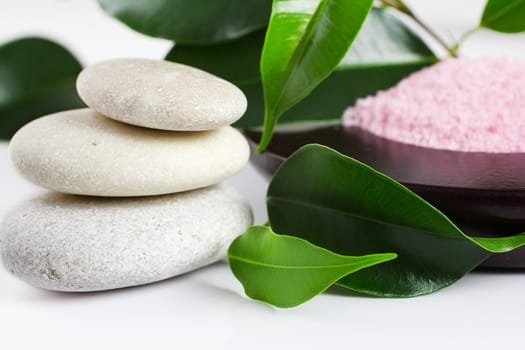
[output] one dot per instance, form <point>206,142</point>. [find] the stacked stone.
<point>136,179</point>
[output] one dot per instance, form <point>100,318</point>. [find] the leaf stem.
<point>455,48</point>
<point>402,7</point>
<point>268,129</point>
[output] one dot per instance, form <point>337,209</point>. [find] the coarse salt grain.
<point>474,105</point>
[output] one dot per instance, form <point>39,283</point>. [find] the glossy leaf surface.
<point>507,16</point>
<point>305,41</point>
<point>384,52</point>
<point>194,22</point>
<point>349,208</point>
<point>37,77</point>
<point>286,271</point>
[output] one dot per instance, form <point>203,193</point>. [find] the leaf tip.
<point>383,257</point>
<point>391,256</point>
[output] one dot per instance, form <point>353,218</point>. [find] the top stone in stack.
<point>160,95</point>
<point>154,127</point>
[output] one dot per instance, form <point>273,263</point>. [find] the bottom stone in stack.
<point>76,243</point>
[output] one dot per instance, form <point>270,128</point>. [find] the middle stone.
<point>83,152</point>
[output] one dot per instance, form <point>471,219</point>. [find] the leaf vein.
<point>498,14</point>
<point>357,216</point>
<point>291,267</point>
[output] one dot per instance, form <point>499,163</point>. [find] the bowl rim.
<point>409,164</point>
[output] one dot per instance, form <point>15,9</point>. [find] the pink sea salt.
<point>457,104</point>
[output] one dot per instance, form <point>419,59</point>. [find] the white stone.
<point>160,95</point>
<point>77,243</point>
<point>82,152</point>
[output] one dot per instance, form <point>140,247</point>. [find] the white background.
<point>207,308</point>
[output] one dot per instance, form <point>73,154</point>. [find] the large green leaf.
<point>384,52</point>
<point>349,208</point>
<point>286,271</point>
<point>305,41</point>
<point>37,77</point>
<point>507,16</point>
<point>191,21</point>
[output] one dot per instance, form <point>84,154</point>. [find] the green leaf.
<point>236,61</point>
<point>349,208</point>
<point>507,16</point>
<point>37,77</point>
<point>384,52</point>
<point>305,41</point>
<point>194,22</point>
<point>286,271</point>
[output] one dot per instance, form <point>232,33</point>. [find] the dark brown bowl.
<point>482,193</point>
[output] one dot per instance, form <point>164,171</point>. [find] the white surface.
<point>207,309</point>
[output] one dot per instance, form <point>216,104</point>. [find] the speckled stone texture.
<point>75,243</point>
<point>82,152</point>
<point>160,95</point>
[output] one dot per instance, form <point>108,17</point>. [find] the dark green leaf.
<point>191,21</point>
<point>304,43</point>
<point>384,52</point>
<point>507,16</point>
<point>236,61</point>
<point>37,77</point>
<point>349,208</point>
<point>286,271</point>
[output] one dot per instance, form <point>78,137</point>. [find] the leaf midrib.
<point>291,267</point>
<point>364,218</point>
<point>299,50</point>
<point>497,15</point>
